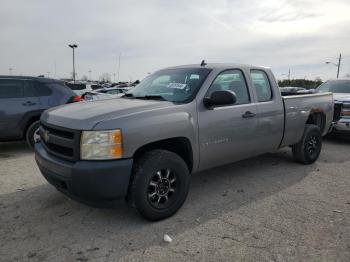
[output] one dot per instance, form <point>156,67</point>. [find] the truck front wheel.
<point>309,148</point>
<point>160,184</point>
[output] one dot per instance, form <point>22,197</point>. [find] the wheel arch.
<point>178,145</point>
<point>317,117</point>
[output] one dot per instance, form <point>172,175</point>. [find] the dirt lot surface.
<point>263,209</point>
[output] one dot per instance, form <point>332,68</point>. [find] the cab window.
<point>261,85</point>
<point>232,80</point>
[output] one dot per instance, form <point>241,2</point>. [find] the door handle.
<point>28,103</point>
<point>248,114</point>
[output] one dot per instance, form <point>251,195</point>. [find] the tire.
<point>309,148</point>
<point>160,184</point>
<point>32,134</point>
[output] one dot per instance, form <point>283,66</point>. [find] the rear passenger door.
<point>17,98</point>
<point>270,111</point>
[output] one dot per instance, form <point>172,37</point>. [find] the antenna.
<point>203,63</point>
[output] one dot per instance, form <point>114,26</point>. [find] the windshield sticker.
<point>177,86</point>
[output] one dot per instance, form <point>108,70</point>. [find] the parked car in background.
<point>105,93</point>
<point>22,101</point>
<point>177,121</point>
<point>341,94</point>
<point>80,87</point>
<point>292,90</point>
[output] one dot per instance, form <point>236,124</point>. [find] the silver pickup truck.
<point>341,94</point>
<point>180,120</point>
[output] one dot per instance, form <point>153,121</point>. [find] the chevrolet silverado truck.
<point>341,94</point>
<point>143,146</point>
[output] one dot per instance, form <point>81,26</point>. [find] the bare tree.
<point>84,78</point>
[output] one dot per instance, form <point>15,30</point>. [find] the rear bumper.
<point>342,125</point>
<point>87,181</point>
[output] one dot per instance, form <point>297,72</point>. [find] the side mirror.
<point>220,98</point>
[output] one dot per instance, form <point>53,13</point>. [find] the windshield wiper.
<point>154,97</point>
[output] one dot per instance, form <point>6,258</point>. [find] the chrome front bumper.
<point>342,125</point>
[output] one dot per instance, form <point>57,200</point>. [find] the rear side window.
<point>232,80</point>
<point>76,86</point>
<point>262,85</point>
<point>41,89</point>
<point>29,89</point>
<point>11,88</point>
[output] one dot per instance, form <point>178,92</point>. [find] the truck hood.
<point>341,97</point>
<point>85,115</point>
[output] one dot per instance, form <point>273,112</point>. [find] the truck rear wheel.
<point>32,134</point>
<point>160,184</point>
<point>309,148</point>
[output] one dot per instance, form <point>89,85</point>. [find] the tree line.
<point>305,83</point>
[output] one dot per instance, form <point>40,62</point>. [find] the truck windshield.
<point>335,86</point>
<point>175,85</point>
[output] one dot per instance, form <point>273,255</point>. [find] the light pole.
<point>89,74</point>
<point>54,67</point>
<point>73,46</point>
<point>10,70</point>
<point>48,74</point>
<point>120,54</point>
<point>337,65</point>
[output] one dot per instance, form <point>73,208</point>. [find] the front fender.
<point>152,126</point>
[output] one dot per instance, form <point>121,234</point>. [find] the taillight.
<point>74,99</point>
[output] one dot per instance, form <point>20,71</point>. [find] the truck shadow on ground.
<point>338,138</point>
<point>41,215</point>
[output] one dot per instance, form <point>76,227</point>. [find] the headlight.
<point>101,145</point>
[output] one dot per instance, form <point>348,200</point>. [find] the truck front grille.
<point>60,141</point>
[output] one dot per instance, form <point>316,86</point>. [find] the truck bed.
<point>297,110</point>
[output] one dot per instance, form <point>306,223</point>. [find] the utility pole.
<point>289,74</point>
<point>339,65</point>
<point>89,74</point>
<point>73,46</point>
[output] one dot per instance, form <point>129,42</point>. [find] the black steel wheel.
<point>162,188</point>
<point>309,148</point>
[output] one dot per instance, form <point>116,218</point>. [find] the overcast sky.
<point>149,35</point>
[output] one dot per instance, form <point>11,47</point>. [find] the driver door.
<point>226,133</point>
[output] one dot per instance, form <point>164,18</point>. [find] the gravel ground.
<point>263,209</point>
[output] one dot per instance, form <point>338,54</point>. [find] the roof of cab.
<point>220,66</point>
